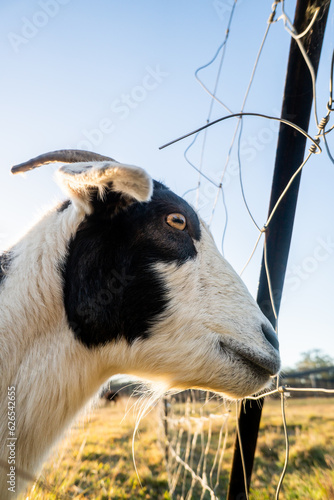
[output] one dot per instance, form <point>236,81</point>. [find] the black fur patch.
<point>63,206</point>
<point>110,287</point>
<point>5,261</point>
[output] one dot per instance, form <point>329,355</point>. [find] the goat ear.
<point>86,181</point>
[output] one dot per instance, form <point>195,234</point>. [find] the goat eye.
<point>178,221</point>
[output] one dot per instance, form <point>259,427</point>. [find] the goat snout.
<point>270,335</point>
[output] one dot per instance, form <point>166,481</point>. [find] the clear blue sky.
<point>118,78</point>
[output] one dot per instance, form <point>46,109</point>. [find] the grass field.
<point>95,460</point>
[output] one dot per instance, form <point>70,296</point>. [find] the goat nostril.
<point>271,336</point>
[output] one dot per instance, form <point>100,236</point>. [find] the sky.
<point>117,78</point>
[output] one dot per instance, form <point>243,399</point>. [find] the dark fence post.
<point>166,428</point>
<point>296,107</point>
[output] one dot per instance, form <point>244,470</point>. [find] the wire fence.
<point>198,431</point>
<point>197,425</point>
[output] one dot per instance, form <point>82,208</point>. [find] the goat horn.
<point>62,155</point>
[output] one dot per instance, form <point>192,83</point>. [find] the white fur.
<point>55,375</point>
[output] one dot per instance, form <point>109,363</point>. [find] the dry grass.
<point>95,460</point>
<point>310,473</point>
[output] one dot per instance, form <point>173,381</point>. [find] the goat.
<point>124,277</point>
